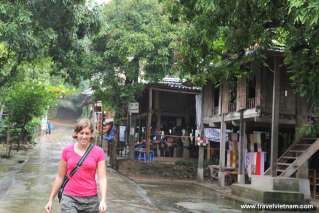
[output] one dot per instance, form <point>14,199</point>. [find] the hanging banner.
<point>213,134</point>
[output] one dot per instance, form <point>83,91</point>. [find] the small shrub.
<point>188,163</point>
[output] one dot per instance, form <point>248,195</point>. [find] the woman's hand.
<point>48,207</point>
<point>102,207</point>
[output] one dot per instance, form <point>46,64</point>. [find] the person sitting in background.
<point>108,134</point>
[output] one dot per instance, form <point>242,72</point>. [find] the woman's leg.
<point>89,204</point>
<point>68,205</point>
<point>73,204</point>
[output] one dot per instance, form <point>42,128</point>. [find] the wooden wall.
<point>208,100</point>
<point>287,103</point>
<point>225,96</point>
<point>287,95</point>
<point>266,84</point>
<point>241,94</point>
<point>263,93</point>
<point>259,98</point>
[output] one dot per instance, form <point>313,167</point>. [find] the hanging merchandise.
<point>258,141</point>
<point>255,140</point>
<point>99,116</point>
<point>232,158</point>
<point>256,158</point>
<point>122,134</point>
<point>255,163</point>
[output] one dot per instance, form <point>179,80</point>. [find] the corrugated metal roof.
<point>175,83</point>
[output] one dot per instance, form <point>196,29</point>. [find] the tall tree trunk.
<point>8,145</point>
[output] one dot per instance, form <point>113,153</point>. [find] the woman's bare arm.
<point>101,172</point>
<point>56,184</point>
<point>58,179</point>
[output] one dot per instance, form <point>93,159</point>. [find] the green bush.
<point>309,130</point>
<point>188,163</point>
<point>25,102</point>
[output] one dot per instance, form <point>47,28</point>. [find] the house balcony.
<point>232,107</point>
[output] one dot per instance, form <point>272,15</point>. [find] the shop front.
<point>165,126</point>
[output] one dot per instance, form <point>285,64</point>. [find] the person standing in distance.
<point>80,193</point>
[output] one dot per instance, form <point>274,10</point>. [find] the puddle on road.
<point>188,198</point>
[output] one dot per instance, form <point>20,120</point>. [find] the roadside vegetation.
<point>43,52</point>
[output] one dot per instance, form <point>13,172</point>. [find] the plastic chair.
<point>152,157</point>
<point>141,155</point>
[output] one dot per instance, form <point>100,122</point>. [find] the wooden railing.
<point>232,107</point>
<point>251,103</point>
<point>215,110</point>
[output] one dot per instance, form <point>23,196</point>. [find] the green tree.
<point>41,29</point>
<point>135,42</point>
<point>302,48</point>
<point>217,34</point>
<point>72,23</point>
<point>38,40</point>
<point>21,39</point>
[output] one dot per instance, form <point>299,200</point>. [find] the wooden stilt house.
<point>264,111</point>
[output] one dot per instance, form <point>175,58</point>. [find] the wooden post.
<point>128,126</point>
<point>208,152</point>
<point>157,109</point>
<point>149,124</point>
<point>241,149</point>
<point>131,137</point>
<point>220,100</point>
<point>222,150</point>
<point>200,168</point>
<point>275,119</point>
<point>314,182</point>
<point>158,120</point>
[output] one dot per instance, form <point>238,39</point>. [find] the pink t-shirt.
<point>83,182</point>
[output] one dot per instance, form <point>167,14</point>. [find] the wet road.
<point>26,187</point>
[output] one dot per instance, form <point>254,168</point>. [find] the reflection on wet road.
<point>188,198</point>
<point>26,187</point>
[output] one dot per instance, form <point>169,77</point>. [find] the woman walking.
<point>80,192</point>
